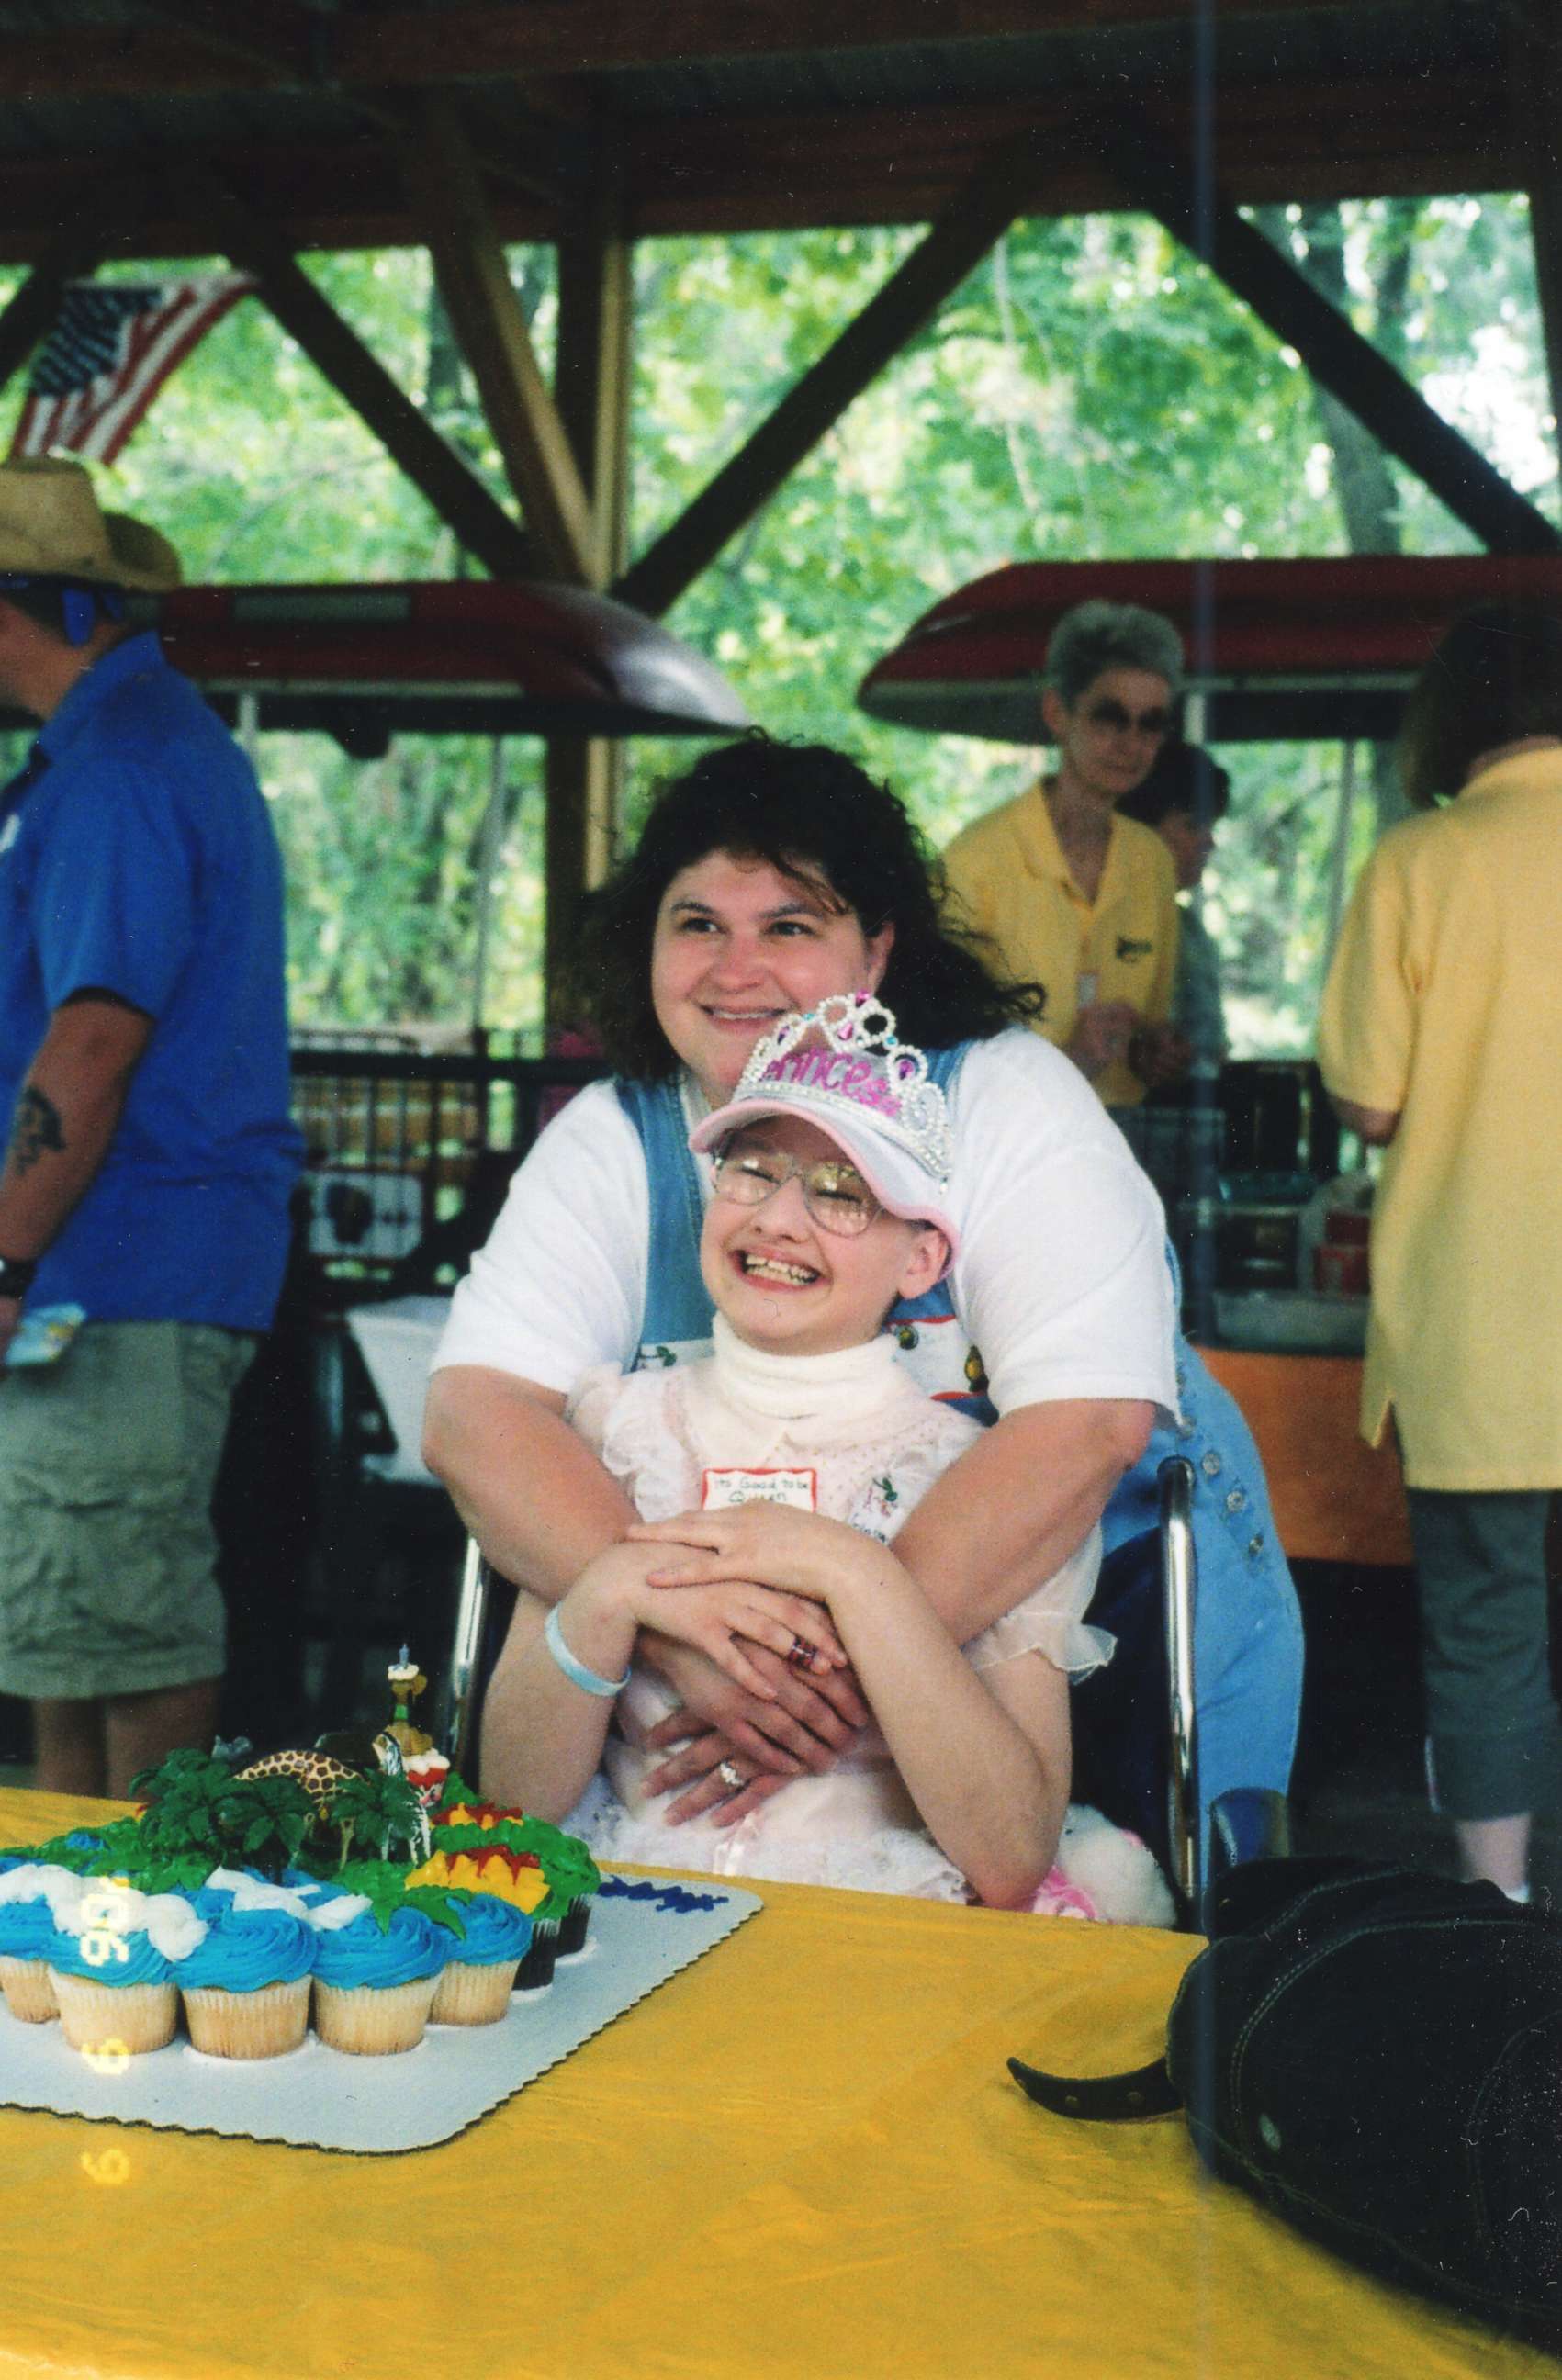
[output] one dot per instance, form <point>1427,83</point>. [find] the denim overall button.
<point>1210,1464</point>
<point>1255,1546</point>
<point>1235,1500</point>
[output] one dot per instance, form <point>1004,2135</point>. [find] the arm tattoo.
<point>37,1128</point>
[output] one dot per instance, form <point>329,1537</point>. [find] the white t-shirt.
<point>1061,1279</point>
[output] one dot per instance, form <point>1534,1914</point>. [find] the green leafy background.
<point>1089,392</point>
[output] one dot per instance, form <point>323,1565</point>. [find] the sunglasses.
<point>834,1192</point>
<point>1118,720</point>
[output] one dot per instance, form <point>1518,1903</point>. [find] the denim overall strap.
<point>676,1322</point>
<point>930,1337</point>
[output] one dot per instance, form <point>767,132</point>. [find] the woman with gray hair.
<point>1068,894</point>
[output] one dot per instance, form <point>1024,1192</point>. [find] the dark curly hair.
<point>1494,679</point>
<point>816,816</point>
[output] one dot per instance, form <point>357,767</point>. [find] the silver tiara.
<point>894,1095</point>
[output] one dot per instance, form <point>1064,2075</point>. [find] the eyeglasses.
<point>1118,720</point>
<point>834,1193</point>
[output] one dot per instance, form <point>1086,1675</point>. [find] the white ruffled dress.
<point>875,1444</point>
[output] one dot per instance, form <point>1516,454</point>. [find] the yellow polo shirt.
<point>1444,1004</point>
<point>1012,884</point>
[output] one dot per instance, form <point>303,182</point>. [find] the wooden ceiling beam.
<point>74,254</point>
<point>1162,182</point>
<point>599,36</point>
<point>1535,51</point>
<point>427,48</point>
<point>479,521</point>
<point>480,297</point>
<point>775,172</point>
<point>272,40</point>
<point>957,242</point>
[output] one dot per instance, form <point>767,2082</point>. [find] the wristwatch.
<point>15,1275</point>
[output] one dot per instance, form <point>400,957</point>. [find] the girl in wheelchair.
<point>803,1433</point>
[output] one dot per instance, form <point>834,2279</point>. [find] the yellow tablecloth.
<point>803,2159</point>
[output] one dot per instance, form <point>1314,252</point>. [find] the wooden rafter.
<point>584,778</point>
<point>1536,76</point>
<point>76,251</point>
<point>274,42</point>
<point>480,297</point>
<point>1163,183</point>
<point>451,486</point>
<point>281,45</point>
<point>959,240</point>
<point>572,36</point>
<point>474,40</point>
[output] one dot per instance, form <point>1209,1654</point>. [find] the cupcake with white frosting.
<point>111,1961</point>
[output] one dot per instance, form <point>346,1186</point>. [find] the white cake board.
<point>642,1932</point>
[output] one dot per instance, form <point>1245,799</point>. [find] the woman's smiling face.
<point>738,946</point>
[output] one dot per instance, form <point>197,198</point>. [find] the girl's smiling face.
<point>787,1283</point>
<point>738,946</point>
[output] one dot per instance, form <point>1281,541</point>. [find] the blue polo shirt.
<point>136,858</point>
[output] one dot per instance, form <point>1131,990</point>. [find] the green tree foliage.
<point>1091,392</point>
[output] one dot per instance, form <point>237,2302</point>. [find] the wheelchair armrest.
<point>1248,1823</point>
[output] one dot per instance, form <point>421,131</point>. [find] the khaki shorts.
<point>107,1554</point>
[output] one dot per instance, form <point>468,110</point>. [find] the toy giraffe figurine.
<point>426,1767</point>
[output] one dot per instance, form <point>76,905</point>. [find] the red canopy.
<point>474,658</point>
<point>1279,649</point>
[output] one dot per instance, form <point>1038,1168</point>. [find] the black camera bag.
<point>1377,2055</point>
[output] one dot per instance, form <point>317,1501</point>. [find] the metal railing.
<point>407,1149</point>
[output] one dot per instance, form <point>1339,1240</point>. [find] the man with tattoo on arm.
<point>148,1154</point>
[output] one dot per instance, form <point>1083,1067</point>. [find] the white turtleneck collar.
<point>750,1400</point>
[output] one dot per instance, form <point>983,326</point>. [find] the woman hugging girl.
<point>798,1448</point>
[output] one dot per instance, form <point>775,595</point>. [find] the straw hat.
<point>52,527</point>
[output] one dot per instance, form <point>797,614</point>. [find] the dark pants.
<point>1492,1720</point>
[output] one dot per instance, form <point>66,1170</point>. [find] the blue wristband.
<point>589,1680</point>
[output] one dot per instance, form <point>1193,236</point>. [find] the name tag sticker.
<point>726,1485</point>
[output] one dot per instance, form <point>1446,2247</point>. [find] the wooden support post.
<point>1535,77</point>
<point>957,242</point>
<point>480,297</point>
<point>451,486</point>
<point>32,310</point>
<point>1153,176</point>
<point>583,776</point>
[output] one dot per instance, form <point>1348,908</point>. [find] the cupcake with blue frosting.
<point>111,1961</point>
<point>378,1958</point>
<point>34,1895</point>
<point>476,1986</point>
<point>246,1988</point>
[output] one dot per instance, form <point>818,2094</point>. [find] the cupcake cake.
<point>110,1963</point>
<point>246,1988</point>
<point>475,1988</point>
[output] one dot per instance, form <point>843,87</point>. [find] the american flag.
<point>111,347</point>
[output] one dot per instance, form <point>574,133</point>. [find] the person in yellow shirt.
<point>1441,1026</point>
<point>1068,894</point>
